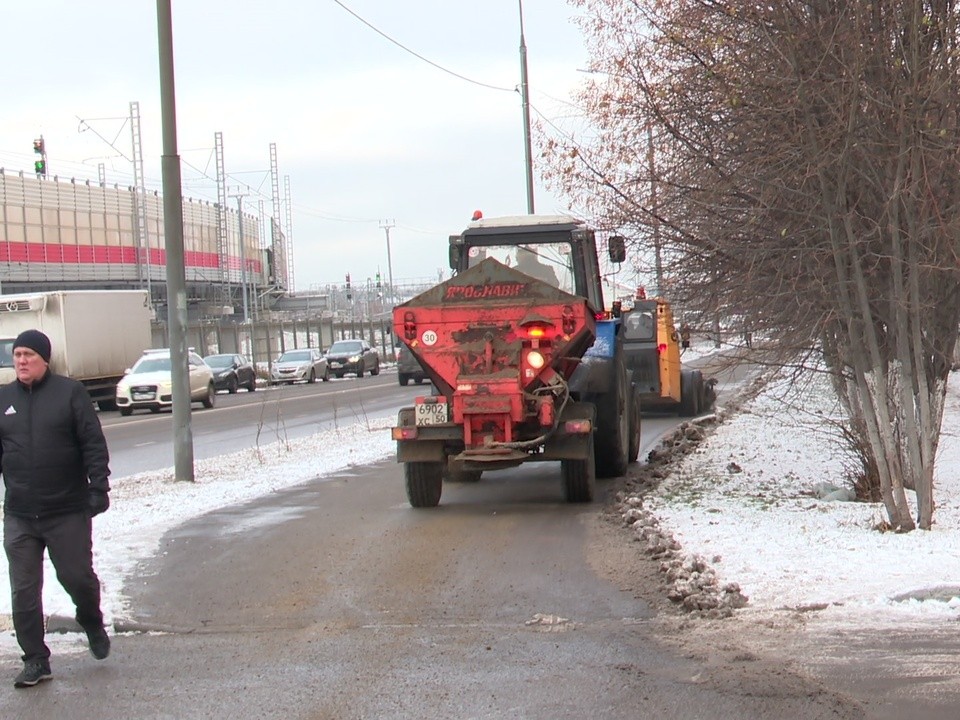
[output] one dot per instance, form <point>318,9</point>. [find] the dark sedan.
<point>231,372</point>
<point>352,356</point>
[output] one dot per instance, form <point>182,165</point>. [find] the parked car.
<point>231,372</point>
<point>408,367</point>
<point>352,356</point>
<point>149,384</point>
<point>305,364</point>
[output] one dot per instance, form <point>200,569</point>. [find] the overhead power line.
<point>421,57</point>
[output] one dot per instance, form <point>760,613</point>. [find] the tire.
<point>612,439</point>
<point>360,372</point>
<point>252,387</point>
<point>579,477</point>
<point>376,368</point>
<point>635,428</point>
<point>689,394</point>
<point>419,381</point>
<point>404,380</point>
<point>208,401</point>
<point>126,412</point>
<point>326,375</point>
<point>424,483</point>
<point>233,385</point>
<point>312,378</point>
<point>107,405</point>
<point>339,375</point>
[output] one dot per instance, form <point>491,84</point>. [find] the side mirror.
<point>617,247</point>
<point>456,252</point>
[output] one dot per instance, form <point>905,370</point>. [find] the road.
<point>335,599</point>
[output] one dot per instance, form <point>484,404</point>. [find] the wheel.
<point>419,381</point>
<point>155,410</point>
<point>424,483</point>
<point>579,477</point>
<point>612,439</point>
<point>252,386</point>
<point>313,377</point>
<point>208,401</point>
<point>634,451</point>
<point>339,375</point>
<point>233,385</point>
<point>126,412</point>
<point>326,375</point>
<point>689,394</point>
<point>106,405</point>
<point>404,380</point>
<point>360,372</point>
<point>376,368</point>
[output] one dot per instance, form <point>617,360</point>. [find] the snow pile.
<point>745,495</point>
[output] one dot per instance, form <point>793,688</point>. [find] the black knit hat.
<point>36,341</point>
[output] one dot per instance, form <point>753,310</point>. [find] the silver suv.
<point>408,367</point>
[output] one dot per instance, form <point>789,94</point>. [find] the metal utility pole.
<point>243,253</point>
<point>658,258</point>
<point>525,94</point>
<point>288,232</point>
<point>386,225</point>
<point>140,197</point>
<point>173,237</point>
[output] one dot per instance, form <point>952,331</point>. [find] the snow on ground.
<point>745,501</point>
<point>742,500</point>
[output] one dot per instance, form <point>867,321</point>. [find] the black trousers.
<point>69,541</point>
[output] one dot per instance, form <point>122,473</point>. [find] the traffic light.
<point>349,291</point>
<point>378,280</point>
<point>40,165</point>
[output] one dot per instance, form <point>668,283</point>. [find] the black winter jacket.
<point>52,448</point>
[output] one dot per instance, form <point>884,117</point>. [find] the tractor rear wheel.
<point>634,451</point>
<point>613,426</point>
<point>579,477</point>
<point>424,483</point>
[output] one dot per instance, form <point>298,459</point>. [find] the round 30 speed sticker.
<point>429,337</point>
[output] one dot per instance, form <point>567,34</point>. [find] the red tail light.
<point>536,331</point>
<point>662,348</point>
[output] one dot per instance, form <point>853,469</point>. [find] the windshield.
<point>295,356</point>
<point>639,325</point>
<point>219,361</point>
<point>548,262</point>
<point>152,364</point>
<point>345,346</point>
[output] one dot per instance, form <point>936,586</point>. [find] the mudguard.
<point>594,374</point>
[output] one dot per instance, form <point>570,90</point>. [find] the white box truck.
<point>95,334</point>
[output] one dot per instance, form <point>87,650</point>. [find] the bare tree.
<point>807,182</point>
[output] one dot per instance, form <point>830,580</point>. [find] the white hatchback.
<point>149,384</point>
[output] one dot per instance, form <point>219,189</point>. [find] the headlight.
<point>354,358</point>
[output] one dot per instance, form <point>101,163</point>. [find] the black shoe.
<point>99,642</point>
<point>32,673</point>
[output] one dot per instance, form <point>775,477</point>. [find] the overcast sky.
<point>365,131</point>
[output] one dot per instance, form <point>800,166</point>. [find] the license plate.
<point>143,396</point>
<point>431,413</point>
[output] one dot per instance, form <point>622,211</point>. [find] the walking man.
<point>54,461</point>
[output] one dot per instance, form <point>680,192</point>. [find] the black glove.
<point>98,502</point>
